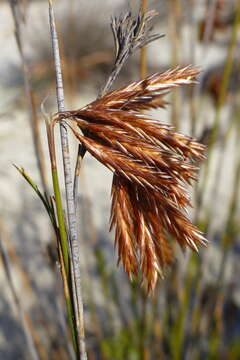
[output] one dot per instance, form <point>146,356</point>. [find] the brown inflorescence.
<point>152,164</point>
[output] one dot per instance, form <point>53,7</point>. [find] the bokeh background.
<point>195,311</point>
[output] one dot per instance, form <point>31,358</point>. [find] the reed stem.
<point>71,214</point>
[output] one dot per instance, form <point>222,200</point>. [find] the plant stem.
<point>61,221</point>
<point>71,215</point>
<point>34,123</point>
<point>195,102</point>
<point>143,50</point>
<point>68,299</point>
<point>175,23</point>
<point>143,318</point>
<point>220,102</point>
<point>21,313</point>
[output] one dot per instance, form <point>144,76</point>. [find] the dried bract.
<point>130,33</point>
<point>152,165</point>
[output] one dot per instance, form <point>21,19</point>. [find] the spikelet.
<point>151,163</point>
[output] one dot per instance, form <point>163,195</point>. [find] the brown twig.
<point>71,214</point>
<point>175,33</point>
<point>196,103</point>
<point>25,321</point>
<point>143,51</point>
<point>34,121</point>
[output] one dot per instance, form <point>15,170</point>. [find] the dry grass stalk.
<point>18,12</point>
<point>73,249</point>
<point>130,33</point>
<point>151,165</point>
<point>33,345</point>
<point>143,50</point>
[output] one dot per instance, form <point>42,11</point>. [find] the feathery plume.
<point>130,33</point>
<point>151,163</point>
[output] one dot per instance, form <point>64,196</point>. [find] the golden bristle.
<point>151,163</point>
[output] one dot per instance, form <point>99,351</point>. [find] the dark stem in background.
<point>213,136</point>
<point>175,22</point>
<point>34,122</point>
<point>196,104</point>
<point>20,311</point>
<point>143,51</point>
<point>144,299</point>
<point>71,214</point>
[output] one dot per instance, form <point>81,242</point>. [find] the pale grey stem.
<point>71,214</point>
<point>29,94</point>
<point>27,332</point>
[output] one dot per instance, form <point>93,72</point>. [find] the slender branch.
<point>143,50</point>
<point>175,33</point>
<point>29,94</point>
<point>130,33</point>
<point>27,331</point>
<point>67,297</point>
<point>71,215</point>
<point>143,319</point>
<point>220,102</point>
<point>195,101</point>
<point>211,9</point>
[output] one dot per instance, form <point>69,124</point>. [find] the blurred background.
<point>195,311</point>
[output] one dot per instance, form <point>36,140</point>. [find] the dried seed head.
<point>130,33</point>
<point>151,164</point>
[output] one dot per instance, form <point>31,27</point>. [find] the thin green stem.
<point>71,210</point>
<point>61,221</point>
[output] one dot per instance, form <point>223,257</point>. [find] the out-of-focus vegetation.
<point>195,311</point>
